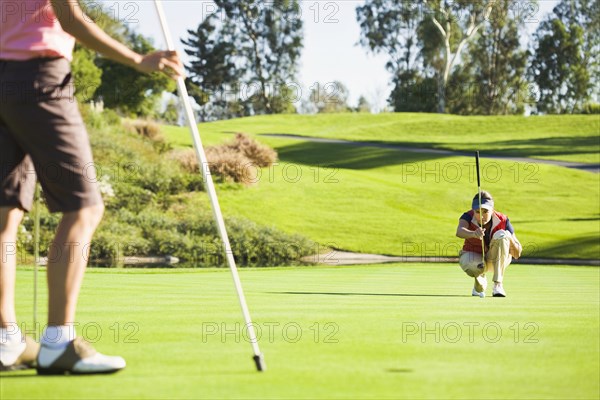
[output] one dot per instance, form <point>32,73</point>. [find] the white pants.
<point>497,258</point>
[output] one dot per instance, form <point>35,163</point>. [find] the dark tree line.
<point>244,58</point>
<point>459,56</point>
<point>468,56</point>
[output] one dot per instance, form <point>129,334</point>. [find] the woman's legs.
<point>10,218</point>
<point>67,260</point>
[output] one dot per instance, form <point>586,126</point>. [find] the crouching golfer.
<point>501,244</point>
<point>41,128</point>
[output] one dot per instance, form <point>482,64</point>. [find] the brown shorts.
<point>42,134</point>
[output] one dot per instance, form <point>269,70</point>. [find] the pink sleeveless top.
<point>30,29</point>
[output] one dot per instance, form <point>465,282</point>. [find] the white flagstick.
<point>210,188</point>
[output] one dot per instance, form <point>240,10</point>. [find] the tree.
<point>414,92</point>
<point>456,23</point>
<point>171,113</point>
<point>565,62</point>
<point>120,87</point>
<point>213,65</point>
<point>430,32</point>
<point>330,98</point>
<point>492,79</point>
<point>252,51</point>
<point>390,27</point>
<point>86,75</point>
<point>128,90</point>
<point>363,105</point>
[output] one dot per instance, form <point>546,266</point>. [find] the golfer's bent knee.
<point>473,272</point>
<point>502,235</point>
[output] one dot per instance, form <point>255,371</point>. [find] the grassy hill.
<point>558,137</point>
<point>370,199</point>
<point>151,208</point>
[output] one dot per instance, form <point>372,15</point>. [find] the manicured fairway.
<point>385,201</point>
<point>384,331</point>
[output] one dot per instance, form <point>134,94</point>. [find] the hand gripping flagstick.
<point>480,216</point>
<point>210,188</point>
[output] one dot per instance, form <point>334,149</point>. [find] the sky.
<point>331,34</point>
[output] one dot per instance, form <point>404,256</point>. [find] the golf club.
<point>210,188</point>
<point>480,216</point>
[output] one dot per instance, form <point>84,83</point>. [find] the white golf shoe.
<point>79,357</point>
<point>478,294</point>
<point>498,291</point>
<point>19,355</point>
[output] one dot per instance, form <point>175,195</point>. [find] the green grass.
<point>376,200</point>
<point>179,137</point>
<point>355,338</point>
<point>574,138</point>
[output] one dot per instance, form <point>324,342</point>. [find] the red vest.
<point>498,222</point>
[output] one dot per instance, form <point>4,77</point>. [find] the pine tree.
<point>252,53</point>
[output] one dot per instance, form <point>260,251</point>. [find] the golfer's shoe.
<point>78,358</point>
<point>478,294</point>
<point>498,291</point>
<point>23,355</point>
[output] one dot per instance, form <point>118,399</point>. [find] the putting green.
<point>382,331</point>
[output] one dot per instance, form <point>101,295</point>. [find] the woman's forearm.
<point>73,21</point>
<point>465,233</point>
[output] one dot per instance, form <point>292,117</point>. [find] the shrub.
<point>149,130</point>
<point>151,212</point>
<point>234,161</point>
<point>229,165</point>
<point>170,242</point>
<point>197,244</point>
<point>260,246</point>
<point>48,224</point>
<point>144,128</point>
<point>111,117</point>
<point>99,119</point>
<point>25,237</point>
<point>260,154</point>
<point>116,239</point>
<point>591,108</point>
<point>131,197</point>
<point>187,159</point>
<point>92,119</point>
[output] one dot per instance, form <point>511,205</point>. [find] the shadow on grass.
<point>551,146</point>
<point>349,156</point>
<point>374,294</point>
<point>536,221</point>
<point>580,219</point>
<point>589,244</point>
<point>29,373</point>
